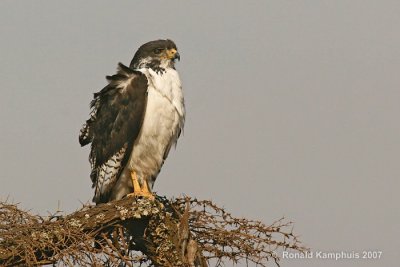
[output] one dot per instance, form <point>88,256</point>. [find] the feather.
<point>114,123</point>
<point>107,174</point>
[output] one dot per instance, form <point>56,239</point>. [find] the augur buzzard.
<point>133,123</point>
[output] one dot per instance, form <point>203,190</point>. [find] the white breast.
<point>164,119</point>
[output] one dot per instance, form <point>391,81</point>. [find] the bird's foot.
<point>140,191</point>
<point>143,194</point>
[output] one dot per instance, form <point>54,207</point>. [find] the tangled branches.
<point>179,232</point>
<point>223,236</point>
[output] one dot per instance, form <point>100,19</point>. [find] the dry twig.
<point>179,232</point>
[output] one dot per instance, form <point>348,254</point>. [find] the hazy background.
<point>292,109</point>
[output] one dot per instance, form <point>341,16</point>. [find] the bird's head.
<point>158,55</point>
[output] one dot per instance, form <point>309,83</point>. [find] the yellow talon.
<point>137,190</point>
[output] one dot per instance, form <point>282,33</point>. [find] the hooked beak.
<point>177,56</point>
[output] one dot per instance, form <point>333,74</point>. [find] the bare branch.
<point>178,232</point>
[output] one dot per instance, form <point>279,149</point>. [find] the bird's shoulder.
<point>126,81</point>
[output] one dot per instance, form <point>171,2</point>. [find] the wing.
<point>114,123</point>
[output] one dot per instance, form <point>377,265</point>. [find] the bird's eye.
<point>157,51</point>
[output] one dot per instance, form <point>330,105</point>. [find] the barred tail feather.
<point>105,176</point>
<point>84,135</point>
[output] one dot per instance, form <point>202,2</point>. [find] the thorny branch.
<point>128,232</point>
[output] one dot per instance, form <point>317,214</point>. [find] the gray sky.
<point>292,109</point>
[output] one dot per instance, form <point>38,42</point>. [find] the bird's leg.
<point>145,187</point>
<point>137,190</point>
<point>145,190</point>
<point>135,183</point>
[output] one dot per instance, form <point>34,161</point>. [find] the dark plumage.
<point>117,116</point>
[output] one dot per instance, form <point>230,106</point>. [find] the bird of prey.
<point>133,123</point>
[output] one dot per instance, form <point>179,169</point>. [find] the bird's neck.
<point>156,65</point>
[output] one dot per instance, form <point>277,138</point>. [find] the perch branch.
<point>178,232</point>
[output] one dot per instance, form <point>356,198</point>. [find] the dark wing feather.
<point>115,122</point>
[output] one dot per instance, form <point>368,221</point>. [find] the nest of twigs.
<point>128,232</point>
